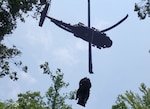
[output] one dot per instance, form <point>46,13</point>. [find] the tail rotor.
<point>44,13</point>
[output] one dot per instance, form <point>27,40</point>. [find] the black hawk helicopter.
<point>92,35</point>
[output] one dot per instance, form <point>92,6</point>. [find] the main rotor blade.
<point>115,24</point>
<point>43,14</point>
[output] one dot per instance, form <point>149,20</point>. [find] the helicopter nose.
<point>109,43</point>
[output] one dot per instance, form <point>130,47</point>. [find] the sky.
<point>124,66</point>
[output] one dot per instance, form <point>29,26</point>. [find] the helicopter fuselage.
<point>91,35</point>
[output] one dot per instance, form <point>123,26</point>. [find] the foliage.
<point>31,100</point>
<point>28,100</point>
<point>143,9</point>
<point>55,99</point>
<point>133,100</point>
<point>8,104</point>
<point>10,12</point>
<point>7,56</point>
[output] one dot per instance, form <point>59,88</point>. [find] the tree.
<point>8,104</point>
<point>31,100</point>
<point>55,99</point>
<point>10,12</point>
<point>133,100</point>
<point>143,9</point>
<point>7,56</point>
<point>28,100</point>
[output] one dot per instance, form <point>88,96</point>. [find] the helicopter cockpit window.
<point>81,24</point>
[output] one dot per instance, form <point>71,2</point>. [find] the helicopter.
<point>92,35</point>
<point>89,34</point>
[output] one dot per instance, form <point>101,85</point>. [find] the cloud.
<point>81,45</point>
<point>9,89</point>
<point>41,38</point>
<point>64,56</point>
<point>101,24</point>
<point>31,34</point>
<point>27,78</point>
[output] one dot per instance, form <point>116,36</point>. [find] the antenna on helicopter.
<point>44,12</point>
